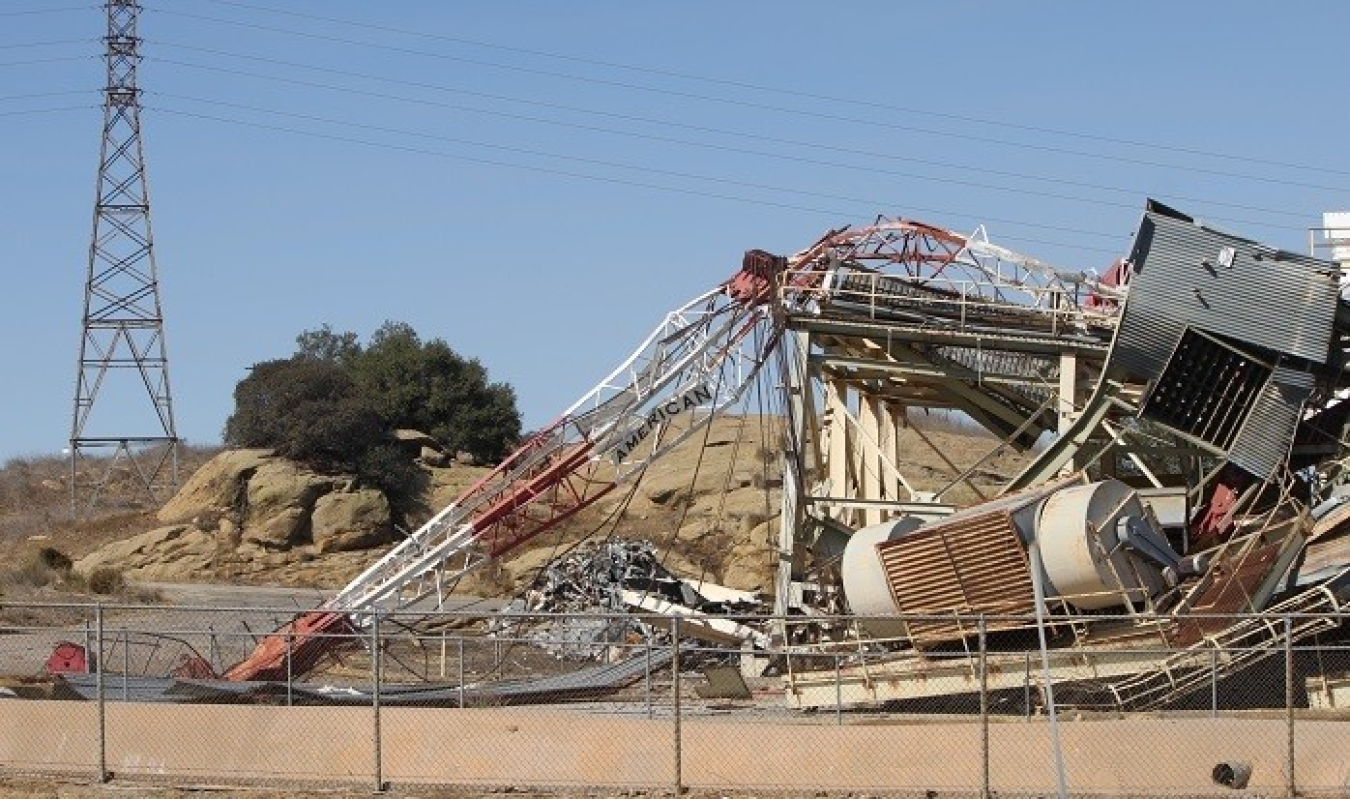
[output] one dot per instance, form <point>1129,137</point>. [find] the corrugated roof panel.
<point>1187,274</point>
<point>1262,444</point>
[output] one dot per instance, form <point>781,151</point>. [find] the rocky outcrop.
<point>348,520</point>
<point>246,508</point>
<point>166,553</point>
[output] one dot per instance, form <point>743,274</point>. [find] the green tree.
<point>325,345</point>
<point>314,412</point>
<point>429,387</point>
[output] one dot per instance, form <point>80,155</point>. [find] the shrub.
<point>105,580</point>
<point>55,559</point>
<point>334,405</point>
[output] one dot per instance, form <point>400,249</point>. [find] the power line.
<point>53,43</point>
<point>707,145</point>
<point>834,214</point>
<point>44,11</point>
<point>44,61</point>
<point>741,103</point>
<point>663,172</point>
<point>46,110</point>
<point>779,90</point>
<point>11,98</point>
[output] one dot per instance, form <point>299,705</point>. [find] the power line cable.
<point>779,90</point>
<point>46,110</point>
<point>872,203</point>
<point>832,213</point>
<point>742,103</point>
<point>13,97</point>
<point>708,145</point>
<point>28,12</point>
<point>53,43</point>
<point>34,61</point>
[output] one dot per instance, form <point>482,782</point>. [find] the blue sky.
<point>537,183</point>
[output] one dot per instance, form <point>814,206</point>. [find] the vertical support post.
<point>126,664</point>
<point>647,678</point>
<point>290,673</point>
<point>1026,688</point>
<point>213,648</point>
<point>1038,589</point>
<point>675,699</point>
<point>1068,397</point>
<point>461,670</point>
<point>838,693</point>
<point>444,636</point>
<point>1291,788</point>
<point>100,692</point>
<point>985,792</point>
<point>375,661</point>
<point>1214,683</point>
<point>88,648</point>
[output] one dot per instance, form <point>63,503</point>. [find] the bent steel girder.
<point>927,255</point>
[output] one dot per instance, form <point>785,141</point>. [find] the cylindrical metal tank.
<point>865,586</point>
<point>1080,556</point>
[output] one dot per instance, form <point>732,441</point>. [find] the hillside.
<point>710,507</point>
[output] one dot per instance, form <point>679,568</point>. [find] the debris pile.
<point>589,585</point>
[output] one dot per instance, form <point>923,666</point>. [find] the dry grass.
<point>42,534</point>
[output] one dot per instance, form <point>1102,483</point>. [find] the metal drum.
<point>1082,559</point>
<point>865,585</point>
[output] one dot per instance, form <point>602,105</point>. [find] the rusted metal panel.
<point>974,561</point>
<point>974,566</point>
<point>1232,585</point>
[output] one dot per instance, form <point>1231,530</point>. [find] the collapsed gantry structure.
<point>1186,406</point>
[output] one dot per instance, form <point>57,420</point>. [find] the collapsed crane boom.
<point>698,362</point>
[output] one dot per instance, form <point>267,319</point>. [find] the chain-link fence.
<point>1125,706</point>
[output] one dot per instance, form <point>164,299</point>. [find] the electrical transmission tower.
<point>123,358</point>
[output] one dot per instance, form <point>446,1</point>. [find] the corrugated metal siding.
<point>1283,302</point>
<point>1262,444</point>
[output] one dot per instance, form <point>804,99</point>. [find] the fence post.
<point>647,677</point>
<point>1026,687</point>
<point>1289,698</point>
<point>460,641</point>
<point>984,712</point>
<point>126,664</point>
<point>290,674</point>
<point>375,698</point>
<point>675,696</point>
<point>101,693</point>
<point>1214,683</point>
<point>838,692</point>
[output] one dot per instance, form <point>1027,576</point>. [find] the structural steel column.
<point>869,455</point>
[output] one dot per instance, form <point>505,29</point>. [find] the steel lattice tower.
<point>123,358</point>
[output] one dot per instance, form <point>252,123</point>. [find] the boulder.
<point>416,440</point>
<point>175,551</point>
<point>434,457</point>
<point>279,500</point>
<point>347,520</point>
<point>216,489</point>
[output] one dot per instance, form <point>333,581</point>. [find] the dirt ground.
<point>19,787</point>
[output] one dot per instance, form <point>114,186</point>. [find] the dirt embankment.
<point>243,517</point>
